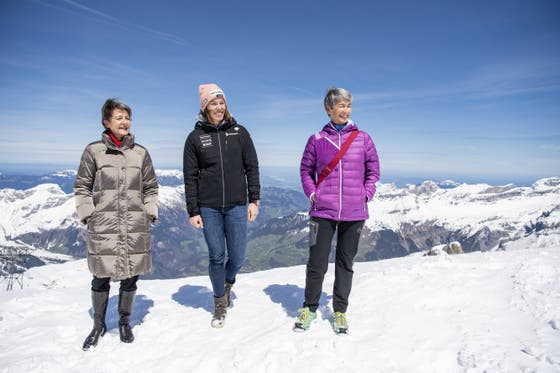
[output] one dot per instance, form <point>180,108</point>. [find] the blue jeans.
<point>224,227</point>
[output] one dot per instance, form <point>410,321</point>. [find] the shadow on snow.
<point>142,306</point>
<point>291,297</point>
<point>197,297</point>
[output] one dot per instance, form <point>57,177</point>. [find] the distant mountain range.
<point>64,179</point>
<point>281,177</point>
<point>38,214</point>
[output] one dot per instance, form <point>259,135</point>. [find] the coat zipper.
<point>222,167</point>
<point>339,178</point>
<point>120,185</point>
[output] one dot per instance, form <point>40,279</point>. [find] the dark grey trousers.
<point>101,284</point>
<point>320,238</point>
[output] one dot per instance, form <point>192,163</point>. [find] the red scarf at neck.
<point>117,142</point>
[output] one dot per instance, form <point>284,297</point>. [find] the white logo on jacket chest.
<point>233,133</point>
<point>205,140</point>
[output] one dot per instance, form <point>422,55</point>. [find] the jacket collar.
<point>127,142</point>
<point>202,122</point>
<point>331,129</point>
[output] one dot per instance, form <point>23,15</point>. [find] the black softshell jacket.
<point>220,166</point>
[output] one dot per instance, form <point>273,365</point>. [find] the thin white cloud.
<point>82,9</point>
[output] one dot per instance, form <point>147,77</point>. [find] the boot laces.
<point>220,310</point>
<point>304,314</point>
<point>340,320</point>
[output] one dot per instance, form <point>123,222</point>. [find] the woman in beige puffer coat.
<point>116,195</point>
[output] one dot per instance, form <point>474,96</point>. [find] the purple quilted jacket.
<point>344,193</point>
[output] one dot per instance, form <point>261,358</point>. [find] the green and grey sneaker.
<point>340,323</point>
<point>304,319</point>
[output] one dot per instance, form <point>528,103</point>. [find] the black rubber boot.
<point>99,302</point>
<point>126,302</point>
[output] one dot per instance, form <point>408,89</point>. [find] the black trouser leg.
<point>100,284</point>
<point>129,284</point>
<point>347,241</point>
<point>104,283</point>
<point>318,262</point>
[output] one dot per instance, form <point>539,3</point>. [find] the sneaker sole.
<point>298,329</point>
<point>217,324</point>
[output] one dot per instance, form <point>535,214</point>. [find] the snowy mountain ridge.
<point>465,207</point>
<point>61,174</point>
<point>37,209</point>
<point>402,220</point>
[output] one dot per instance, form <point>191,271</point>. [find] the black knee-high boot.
<point>99,300</point>
<point>126,302</point>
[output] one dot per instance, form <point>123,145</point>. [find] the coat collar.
<point>202,122</point>
<point>127,142</point>
<point>331,129</point>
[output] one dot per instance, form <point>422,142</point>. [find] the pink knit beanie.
<point>207,93</point>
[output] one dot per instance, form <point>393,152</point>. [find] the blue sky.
<point>447,89</point>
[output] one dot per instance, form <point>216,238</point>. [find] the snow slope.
<point>484,311</point>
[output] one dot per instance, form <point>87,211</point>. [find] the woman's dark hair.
<point>110,105</point>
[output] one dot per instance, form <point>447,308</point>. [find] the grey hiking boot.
<point>228,294</point>
<point>220,312</point>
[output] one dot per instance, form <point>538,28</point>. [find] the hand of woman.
<point>252,211</point>
<point>196,221</point>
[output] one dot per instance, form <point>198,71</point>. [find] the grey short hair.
<point>335,95</point>
<point>110,105</point>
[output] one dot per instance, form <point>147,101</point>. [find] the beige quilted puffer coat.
<point>116,195</point>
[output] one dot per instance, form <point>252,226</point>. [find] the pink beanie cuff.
<point>207,93</point>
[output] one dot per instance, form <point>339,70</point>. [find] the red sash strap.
<point>327,170</point>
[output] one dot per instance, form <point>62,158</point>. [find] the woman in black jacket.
<point>221,172</point>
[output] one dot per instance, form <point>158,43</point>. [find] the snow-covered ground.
<point>491,311</point>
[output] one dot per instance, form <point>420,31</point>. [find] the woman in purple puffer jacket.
<point>339,202</point>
